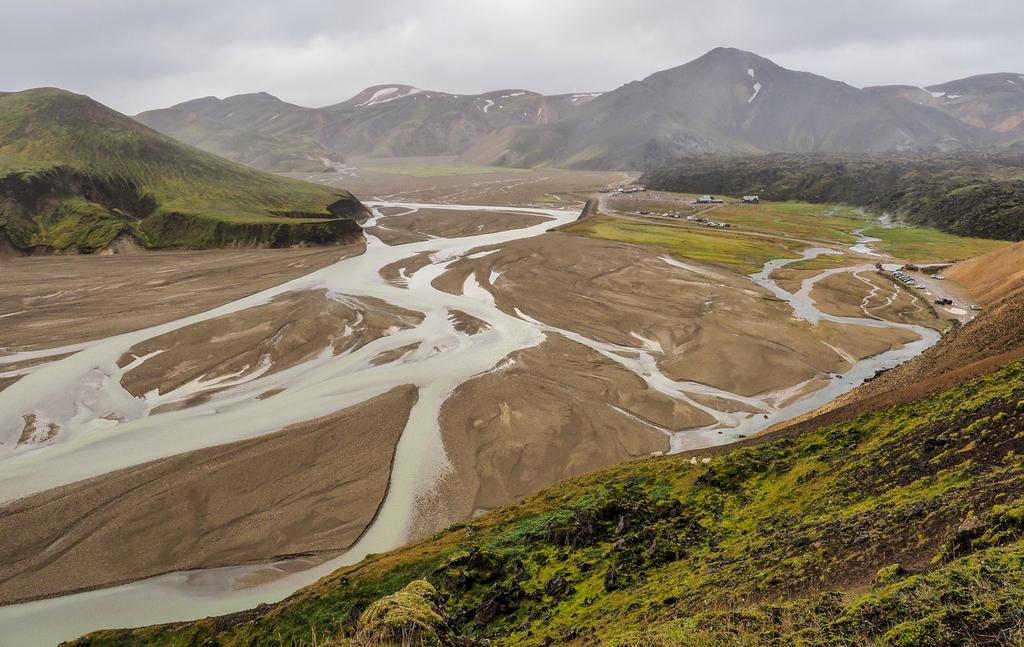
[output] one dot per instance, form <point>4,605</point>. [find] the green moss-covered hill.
<point>966,193</point>
<point>901,526</point>
<point>77,175</point>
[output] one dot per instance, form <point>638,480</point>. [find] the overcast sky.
<point>139,54</point>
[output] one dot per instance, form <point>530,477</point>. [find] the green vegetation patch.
<point>968,193</point>
<point>794,219</point>
<point>921,245</point>
<point>745,254</point>
<point>74,173</point>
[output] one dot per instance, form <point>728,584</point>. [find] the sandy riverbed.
<point>531,357</point>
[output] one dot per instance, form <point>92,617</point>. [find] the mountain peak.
<point>54,105</point>
<point>726,51</point>
<point>266,96</point>
<point>718,62</point>
<point>729,55</point>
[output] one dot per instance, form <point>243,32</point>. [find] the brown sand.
<point>392,272</point>
<point>310,488</point>
<point>467,323</point>
<point>420,225</point>
<point>790,279</point>
<point>843,294</point>
<point>719,330</point>
<point>548,414</point>
<point>68,299</point>
<point>546,187</point>
<point>294,328</point>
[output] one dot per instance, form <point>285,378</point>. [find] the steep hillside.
<point>993,276</point>
<point>734,101</point>
<point>965,193</point>
<point>76,175</point>
<point>901,526</point>
<point>255,129</point>
<point>994,102</point>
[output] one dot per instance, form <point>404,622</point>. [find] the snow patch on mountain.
<point>390,93</point>
<point>757,89</point>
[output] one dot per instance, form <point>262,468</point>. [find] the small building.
<point>706,199</point>
<point>751,199</point>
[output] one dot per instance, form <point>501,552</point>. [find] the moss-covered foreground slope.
<point>75,174</point>
<point>900,527</point>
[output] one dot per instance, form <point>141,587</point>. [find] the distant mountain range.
<point>726,101</point>
<point>78,176</point>
<point>382,121</point>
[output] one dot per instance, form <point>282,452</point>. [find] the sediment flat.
<point>50,301</point>
<point>308,489</point>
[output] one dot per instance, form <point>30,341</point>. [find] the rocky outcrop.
<point>179,230</point>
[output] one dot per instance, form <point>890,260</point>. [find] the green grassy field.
<point>825,262</point>
<point>848,534</point>
<point>814,223</point>
<point>795,219</point>
<point>922,245</point>
<point>744,254</point>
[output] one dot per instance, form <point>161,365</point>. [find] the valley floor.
<point>468,358</point>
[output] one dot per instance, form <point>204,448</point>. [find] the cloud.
<point>141,54</point>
